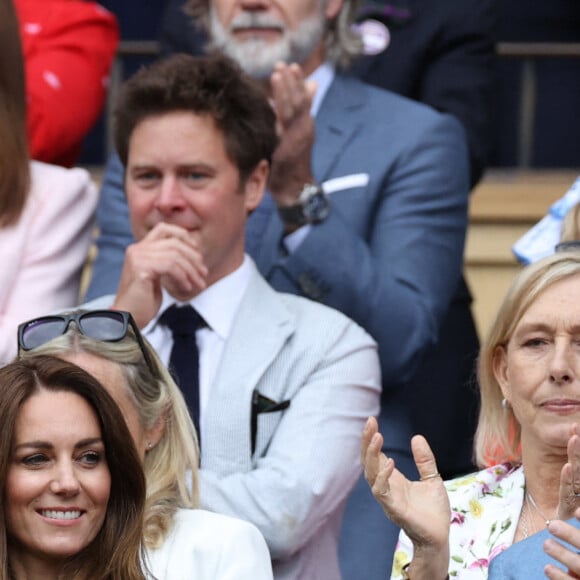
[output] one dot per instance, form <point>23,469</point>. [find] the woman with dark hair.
<point>181,542</point>
<point>71,481</point>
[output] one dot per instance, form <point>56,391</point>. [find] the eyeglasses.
<point>105,325</point>
<point>568,246</point>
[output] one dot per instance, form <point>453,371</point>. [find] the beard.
<point>257,56</point>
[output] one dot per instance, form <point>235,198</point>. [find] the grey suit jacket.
<point>306,459</point>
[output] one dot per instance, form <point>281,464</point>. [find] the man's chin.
<point>257,57</point>
<point>178,293</point>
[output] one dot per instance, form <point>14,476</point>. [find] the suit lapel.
<point>260,330</point>
<point>335,124</point>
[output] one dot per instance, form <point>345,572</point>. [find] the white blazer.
<point>294,484</point>
<point>207,546</point>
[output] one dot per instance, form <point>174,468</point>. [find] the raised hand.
<point>168,256</point>
<point>421,508</point>
<point>291,98</point>
<point>570,477</point>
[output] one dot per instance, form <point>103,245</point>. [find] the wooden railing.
<point>529,53</point>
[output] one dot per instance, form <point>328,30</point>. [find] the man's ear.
<point>501,372</point>
<point>255,185</point>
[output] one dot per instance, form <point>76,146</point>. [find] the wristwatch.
<point>312,207</point>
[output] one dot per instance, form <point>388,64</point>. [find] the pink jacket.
<point>42,256</point>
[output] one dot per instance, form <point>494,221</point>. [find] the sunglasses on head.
<point>567,246</point>
<point>105,325</point>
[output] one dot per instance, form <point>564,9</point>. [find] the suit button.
<point>309,288</point>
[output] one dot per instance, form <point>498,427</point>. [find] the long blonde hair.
<point>175,459</point>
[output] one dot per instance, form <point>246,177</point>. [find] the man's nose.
<point>169,198</point>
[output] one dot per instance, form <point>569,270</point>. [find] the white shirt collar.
<point>323,76</point>
<point>218,304</point>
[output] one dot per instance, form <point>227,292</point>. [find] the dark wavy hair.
<point>116,551</point>
<point>212,85</point>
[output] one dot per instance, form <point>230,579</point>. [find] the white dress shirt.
<point>218,306</point>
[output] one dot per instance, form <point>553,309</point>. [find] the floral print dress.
<point>485,509</point>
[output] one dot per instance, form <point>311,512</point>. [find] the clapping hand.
<point>570,477</point>
<point>421,507</point>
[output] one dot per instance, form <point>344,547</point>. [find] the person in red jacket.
<point>69,46</point>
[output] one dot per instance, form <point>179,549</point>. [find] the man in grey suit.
<point>366,210</point>
<point>285,384</point>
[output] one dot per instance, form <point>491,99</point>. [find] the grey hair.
<point>342,42</point>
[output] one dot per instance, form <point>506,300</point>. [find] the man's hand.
<point>292,98</point>
<point>168,256</point>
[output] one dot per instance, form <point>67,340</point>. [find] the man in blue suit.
<point>366,210</point>
<point>527,559</point>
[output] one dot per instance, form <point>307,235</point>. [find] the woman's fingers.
<point>372,458</point>
<point>371,427</point>
<point>570,558</point>
<point>424,458</point>
<point>381,487</point>
<point>574,457</point>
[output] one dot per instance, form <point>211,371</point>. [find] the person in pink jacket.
<point>46,212</point>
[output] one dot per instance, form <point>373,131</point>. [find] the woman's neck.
<point>542,472</point>
<point>33,568</point>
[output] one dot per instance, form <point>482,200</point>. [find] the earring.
<point>149,445</point>
<point>505,404</point>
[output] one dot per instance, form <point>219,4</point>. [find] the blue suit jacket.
<point>526,559</point>
<point>390,253</point>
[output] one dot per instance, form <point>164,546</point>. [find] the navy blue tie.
<point>184,321</point>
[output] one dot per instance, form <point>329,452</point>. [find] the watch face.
<point>316,207</point>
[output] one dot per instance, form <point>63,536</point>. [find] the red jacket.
<point>69,46</point>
